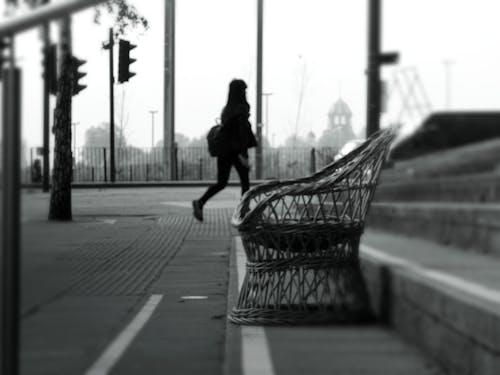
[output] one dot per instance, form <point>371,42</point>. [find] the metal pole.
<point>31,164</point>
<point>258,153</point>
<point>373,71</point>
<point>153,113</point>
<point>46,110</point>
<point>169,89</point>
<point>105,165</point>
<point>11,217</point>
<point>267,95</point>
<point>111,107</point>
<point>313,161</point>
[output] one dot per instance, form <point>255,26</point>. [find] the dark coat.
<point>239,130</point>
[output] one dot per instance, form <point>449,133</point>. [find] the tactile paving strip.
<point>120,268</point>
<point>128,266</point>
<point>216,223</point>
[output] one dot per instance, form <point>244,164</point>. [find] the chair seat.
<point>302,236</point>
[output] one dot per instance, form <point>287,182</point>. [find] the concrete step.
<point>444,301</point>
<point>483,187</point>
<point>472,227</point>
<point>471,159</point>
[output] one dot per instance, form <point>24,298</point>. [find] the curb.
<point>457,324</point>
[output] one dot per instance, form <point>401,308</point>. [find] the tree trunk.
<point>60,195</point>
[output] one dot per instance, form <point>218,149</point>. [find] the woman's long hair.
<point>236,100</point>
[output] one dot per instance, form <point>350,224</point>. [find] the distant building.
<point>339,114</point>
<point>339,129</point>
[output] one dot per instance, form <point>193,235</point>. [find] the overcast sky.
<point>318,46</point>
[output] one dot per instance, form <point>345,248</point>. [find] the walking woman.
<point>240,138</point>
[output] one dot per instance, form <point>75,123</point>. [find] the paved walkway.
<point>85,282</point>
<point>135,286</point>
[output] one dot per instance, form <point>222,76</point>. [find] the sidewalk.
<point>135,286</point>
<point>85,281</point>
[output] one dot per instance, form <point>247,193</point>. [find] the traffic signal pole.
<point>110,46</point>
<point>375,60</point>
<point>373,71</point>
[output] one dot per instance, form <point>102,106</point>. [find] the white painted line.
<point>116,349</point>
<point>256,359</point>
<point>194,297</point>
<point>455,282</point>
<point>255,354</point>
<point>109,221</point>
<point>241,260</point>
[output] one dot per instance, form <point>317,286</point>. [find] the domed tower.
<point>339,128</point>
<point>339,115</point>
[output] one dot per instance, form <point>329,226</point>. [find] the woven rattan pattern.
<point>301,238</point>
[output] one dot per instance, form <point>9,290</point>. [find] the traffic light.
<point>124,61</point>
<point>50,67</point>
<point>75,64</point>
<point>4,44</point>
<point>388,58</point>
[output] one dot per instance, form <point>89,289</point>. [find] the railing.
<point>91,164</point>
<point>10,176</point>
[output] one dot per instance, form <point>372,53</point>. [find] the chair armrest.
<point>259,195</point>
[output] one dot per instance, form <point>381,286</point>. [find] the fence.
<point>191,164</point>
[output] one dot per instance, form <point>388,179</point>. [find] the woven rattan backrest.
<point>339,193</point>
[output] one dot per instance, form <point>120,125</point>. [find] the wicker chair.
<point>301,239</point>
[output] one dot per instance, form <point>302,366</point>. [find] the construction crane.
<point>406,92</point>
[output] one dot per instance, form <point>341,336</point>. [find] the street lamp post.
<point>153,113</point>
<point>258,106</point>
<point>169,92</point>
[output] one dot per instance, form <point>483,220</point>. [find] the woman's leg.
<point>223,171</point>
<point>244,173</point>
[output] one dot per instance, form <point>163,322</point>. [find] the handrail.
<point>43,14</point>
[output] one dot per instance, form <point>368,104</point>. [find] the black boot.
<point>197,210</point>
